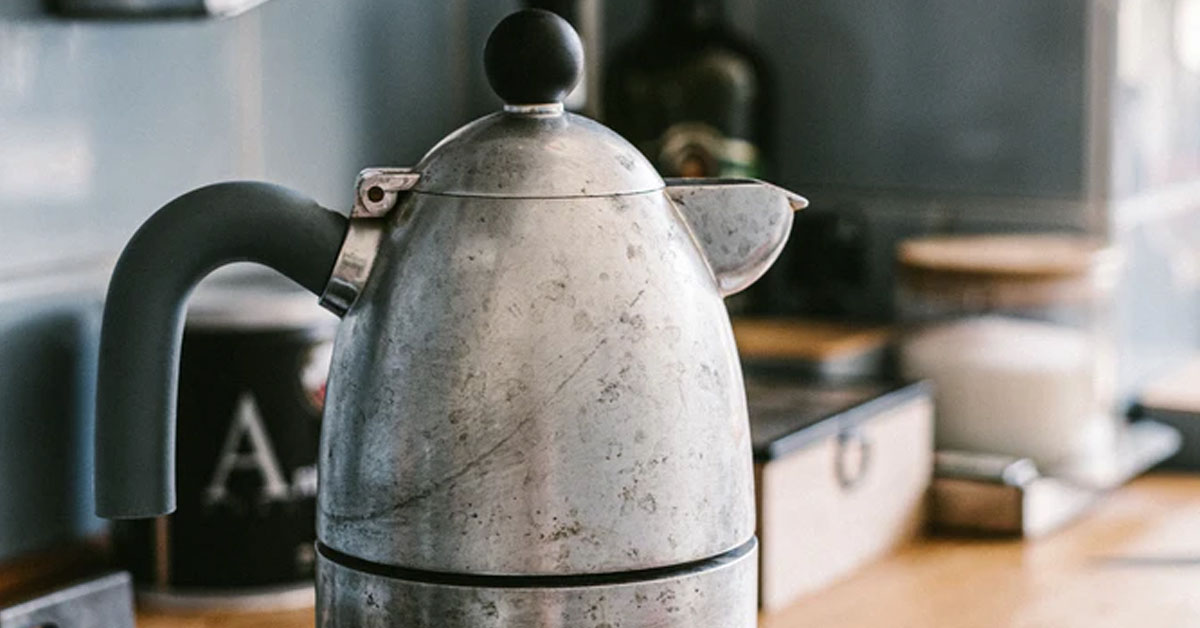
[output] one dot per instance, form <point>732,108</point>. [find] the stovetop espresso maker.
<point>535,414</point>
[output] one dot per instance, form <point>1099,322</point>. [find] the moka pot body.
<point>533,387</point>
<point>535,414</point>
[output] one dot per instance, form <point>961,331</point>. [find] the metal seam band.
<point>546,581</point>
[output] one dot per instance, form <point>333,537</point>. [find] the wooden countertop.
<point>1133,561</point>
<point>290,619</point>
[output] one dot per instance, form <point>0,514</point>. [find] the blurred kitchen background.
<point>897,118</point>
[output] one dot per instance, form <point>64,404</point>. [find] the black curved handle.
<point>144,313</point>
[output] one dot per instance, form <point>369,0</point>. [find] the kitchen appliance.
<point>842,471</point>
<point>535,413</point>
<point>254,360</point>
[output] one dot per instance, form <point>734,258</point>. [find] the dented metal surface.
<point>551,386</point>
<point>721,593</point>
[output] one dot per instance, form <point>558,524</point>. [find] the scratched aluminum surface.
<point>536,386</point>
<point>721,595</point>
<point>741,224</point>
<point>505,155</point>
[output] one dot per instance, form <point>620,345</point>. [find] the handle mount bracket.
<point>376,193</point>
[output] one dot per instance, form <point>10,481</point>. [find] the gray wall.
<point>47,356</point>
<point>969,97</point>
<point>103,121</point>
<point>955,96</point>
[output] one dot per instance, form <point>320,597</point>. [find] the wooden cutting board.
<point>810,341</point>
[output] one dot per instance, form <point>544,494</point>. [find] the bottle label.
<point>696,149</point>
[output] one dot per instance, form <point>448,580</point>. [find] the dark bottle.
<point>690,94</point>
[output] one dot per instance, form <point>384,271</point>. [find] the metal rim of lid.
<point>517,156</point>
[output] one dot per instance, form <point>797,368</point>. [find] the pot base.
<point>718,592</point>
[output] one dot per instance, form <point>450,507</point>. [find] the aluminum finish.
<point>544,386</point>
<point>552,108</point>
<point>724,595</point>
<point>376,193</point>
<point>535,155</point>
<point>742,225</point>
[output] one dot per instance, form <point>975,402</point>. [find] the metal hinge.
<point>376,193</point>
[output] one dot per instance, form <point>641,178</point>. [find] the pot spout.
<point>741,225</point>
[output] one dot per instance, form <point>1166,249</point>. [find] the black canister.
<point>255,357</point>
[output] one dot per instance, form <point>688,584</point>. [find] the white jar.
<point>1013,330</point>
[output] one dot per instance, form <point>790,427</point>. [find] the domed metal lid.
<point>533,149</point>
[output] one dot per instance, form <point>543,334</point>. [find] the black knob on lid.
<point>533,57</point>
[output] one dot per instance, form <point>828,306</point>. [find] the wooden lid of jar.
<point>1012,270</point>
